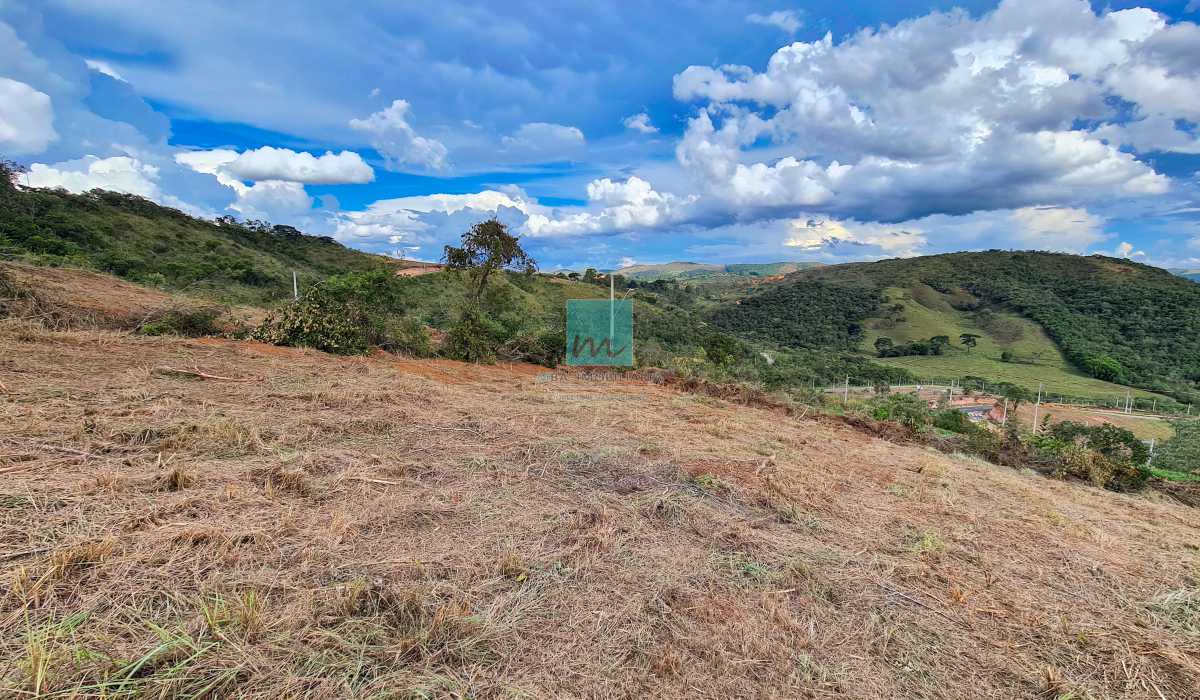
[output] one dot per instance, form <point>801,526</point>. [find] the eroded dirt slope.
<point>371,527</point>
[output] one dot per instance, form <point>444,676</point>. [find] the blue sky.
<point>606,133</point>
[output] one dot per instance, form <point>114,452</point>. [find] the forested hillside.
<point>691,271</point>
<point>1113,319</point>
<point>138,240</point>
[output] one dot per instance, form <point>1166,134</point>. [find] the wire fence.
<point>1126,402</point>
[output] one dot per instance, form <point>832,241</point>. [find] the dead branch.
<point>204,375</point>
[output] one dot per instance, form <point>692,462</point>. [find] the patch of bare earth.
<point>312,526</point>
<point>68,298</point>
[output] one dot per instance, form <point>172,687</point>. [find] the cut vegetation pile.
<point>210,518</point>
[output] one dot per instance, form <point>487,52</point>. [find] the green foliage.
<point>143,242</point>
<point>487,248</point>
<point>344,315</point>
<point>812,315</point>
<point>955,421</point>
<point>1143,318</point>
<point>188,322</point>
<point>906,409</point>
<point>1182,452</point>
<point>407,336</point>
<point>1113,442</point>
<point>473,337</point>
<point>969,340</point>
<point>1104,454</point>
<point>1014,393</point>
<point>1104,367</point>
<point>319,321</point>
<point>934,346</point>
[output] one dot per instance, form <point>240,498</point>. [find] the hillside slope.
<point>357,527</point>
<point>1092,308</point>
<point>691,271</point>
<point>138,240</point>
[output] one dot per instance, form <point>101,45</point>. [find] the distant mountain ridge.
<point>1193,275</point>
<point>680,270</point>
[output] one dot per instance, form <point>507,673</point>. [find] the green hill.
<point>703,271</point>
<point>1075,320</point>
<point>141,241</point>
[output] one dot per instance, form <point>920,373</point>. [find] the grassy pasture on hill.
<point>1114,319</point>
<point>1057,380</point>
<point>1035,358</point>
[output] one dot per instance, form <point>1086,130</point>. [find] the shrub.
<point>323,322</point>
<point>1105,367</point>
<point>906,409</point>
<point>1105,455</point>
<point>1182,452</point>
<point>954,420</point>
<point>407,336</point>
<point>1113,442</point>
<point>190,322</point>
<point>545,347</point>
<point>472,338</point>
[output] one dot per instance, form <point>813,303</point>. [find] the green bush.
<point>906,409</point>
<point>1105,455</point>
<point>191,323</point>
<point>319,320</point>
<point>954,420</point>
<point>1182,452</point>
<point>407,336</point>
<point>545,347</point>
<point>472,338</point>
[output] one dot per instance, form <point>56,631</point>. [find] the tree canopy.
<point>486,248</point>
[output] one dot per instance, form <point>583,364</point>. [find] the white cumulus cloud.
<point>118,174</point>
<point>26,118</point>
<point>126,174</point>
<point>390,133</point>
<point>787,20</point>
<point>640,122</point>
<point>1064,229</point>
<point>894,241</point>
<point>1126,250</point>
<point>617,206</point>
<point>269,163</point>
<point>946,113</point>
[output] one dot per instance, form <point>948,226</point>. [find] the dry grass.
<point>374,527</point>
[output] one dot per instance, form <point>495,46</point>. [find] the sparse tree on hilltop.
<point>486,248</point>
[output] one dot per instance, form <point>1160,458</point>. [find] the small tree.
<point>968,340</point>
<point>1016,394</point>
<point>486,248</point>
<point>883,344</point>
<point>1105,367</point>
<point>939,343</point>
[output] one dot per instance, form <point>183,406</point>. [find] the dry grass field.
<point>301,525</point>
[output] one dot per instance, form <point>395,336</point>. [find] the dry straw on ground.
<point>376,527</point>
